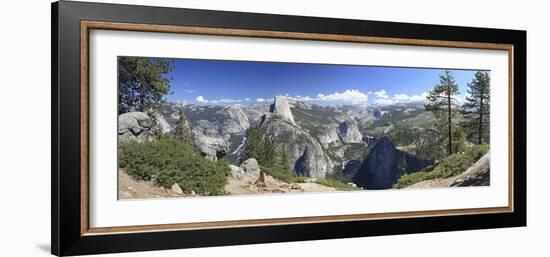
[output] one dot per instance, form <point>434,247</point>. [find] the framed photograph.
<point>178,128</point>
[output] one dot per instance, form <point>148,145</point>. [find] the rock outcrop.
<point>281,108</point>
<point>176,189</point>
<point>349,132</point>
<point>237,121</point>
<point>477,175</point>
<point>134,126</point>
<point>350,168</point>
<point>304,150</point>
<point>208,139</point>
<point>384,164</point>
<point>163,125</point>
<point>248,169</point>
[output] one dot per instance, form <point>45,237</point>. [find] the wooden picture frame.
<point>71,25</point>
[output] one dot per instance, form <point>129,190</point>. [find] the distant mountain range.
<point>321,140</point>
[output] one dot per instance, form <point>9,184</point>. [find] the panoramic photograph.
<point>196,128</point>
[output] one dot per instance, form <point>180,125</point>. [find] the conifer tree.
<point>476,108</point>
<point>253,145</point>
<point>441,101</point>
<point>284,161</point>
<point>142,83</point>
<point>268,153</point>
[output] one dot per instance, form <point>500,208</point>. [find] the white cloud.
<point>410,98</point>
<point>351,96</point>
<point>301,98</point>
<point>226,100</point>
<point>189,91</point>
<point>261,100</point>
<point>201,99</point>
<point>381,94</point>
<point>384,99</point>
<point>247,99</point>
<point>354,96</point>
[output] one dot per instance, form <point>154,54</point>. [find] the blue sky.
<point>238,82</point>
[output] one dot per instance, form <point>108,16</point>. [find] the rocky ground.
<point>272,185</point>
<point>131,188</point>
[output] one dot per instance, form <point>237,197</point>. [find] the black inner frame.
<point>65,165</point>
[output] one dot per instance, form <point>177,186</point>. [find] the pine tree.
<point>253,145</point>
<point>268,152</point>
<point>442,103</point>
<point>284,162</point>
<point>182,130</point>
<point>260,147</point>
<point>142,83</point>
<point>476,108</point>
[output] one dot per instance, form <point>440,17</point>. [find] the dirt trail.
<point>131,188</point>
<point>248,186</point>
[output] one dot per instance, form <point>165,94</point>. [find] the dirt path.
<point>131,188</point>
<point>248,186</point>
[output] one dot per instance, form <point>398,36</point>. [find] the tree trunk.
<point>260,182</point>
<point>449,120</point>
<point>480,131</point>
<point>141,99</point>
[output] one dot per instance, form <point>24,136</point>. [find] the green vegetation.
<point>443,104</point>
<point>422,143</point>
<point>141,83</point>
<point>335,184</point>
<point>259,147</point>
<point>273,159</point>
<point>168,161</point>
<point>450,166</point>
<point>282,174</point>
<point>356,151</point>
<point>476,109</point>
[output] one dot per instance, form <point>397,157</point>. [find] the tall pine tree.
<point>476,108</point>
<point>142,83</point>
<point>253,147</point>
<point>442,103</point>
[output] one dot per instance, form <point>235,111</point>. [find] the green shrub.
<point>411,178</point>
<point>168,161</point>
<point>335,184</point>
<point>451,166</point>
<point>283,174</point>
<point>477,151</point>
